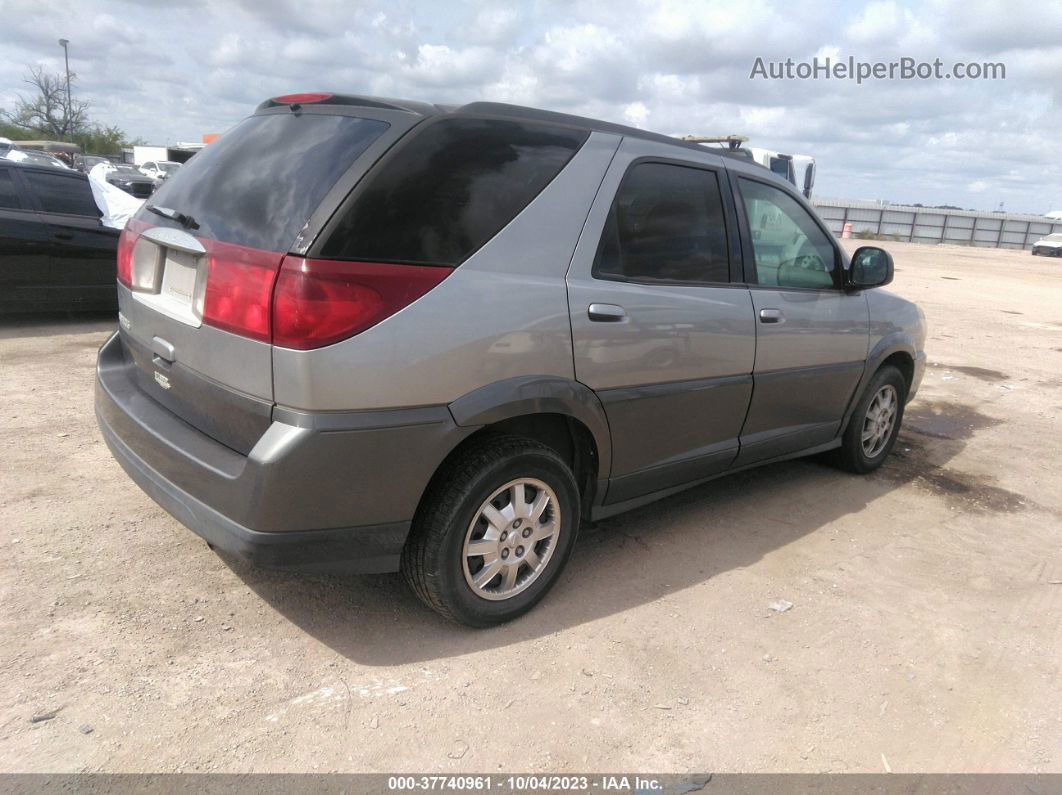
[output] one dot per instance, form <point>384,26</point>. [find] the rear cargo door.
<point>204,253</point>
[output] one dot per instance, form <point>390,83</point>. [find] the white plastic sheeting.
<point>116,205</point>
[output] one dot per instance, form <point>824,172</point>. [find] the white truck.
<point>797,169</point>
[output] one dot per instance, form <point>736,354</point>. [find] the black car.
<point>54,252</point>
<point>129,179</point>
<point>84,163</point>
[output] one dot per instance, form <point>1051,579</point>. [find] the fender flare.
<point>538,394</point>
<point>896,342</point>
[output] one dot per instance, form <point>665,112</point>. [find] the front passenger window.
<point>790,249</point>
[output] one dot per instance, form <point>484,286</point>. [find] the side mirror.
<point>871,267</point>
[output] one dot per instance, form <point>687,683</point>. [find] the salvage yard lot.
<point>925,631</point>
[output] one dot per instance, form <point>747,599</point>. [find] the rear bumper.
<point>317,492</point>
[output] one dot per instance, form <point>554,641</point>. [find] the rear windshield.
<point>259,183</point>
<point>448,190</point>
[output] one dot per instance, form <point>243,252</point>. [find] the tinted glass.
<point>666,224</point>
<point>790,249</point>
<point>59,193</point>
<point>449,189</point>
<point>259,183</point>
<point>8,195</point>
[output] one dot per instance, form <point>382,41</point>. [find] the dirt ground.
<point>926,631</point>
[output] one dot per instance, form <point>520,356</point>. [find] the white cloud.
<point>173,71</point>
<point>636,114</point>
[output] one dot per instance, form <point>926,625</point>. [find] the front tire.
<point>494,532</point>
<point>875,423</point>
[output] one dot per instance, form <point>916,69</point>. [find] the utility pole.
<point>66,56</point>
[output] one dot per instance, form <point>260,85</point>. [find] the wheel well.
<point>567,436</point>
<point>904,363</point>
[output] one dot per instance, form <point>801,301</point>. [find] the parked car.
<point>366,335</point>
<point>1050,246</point>
<point>30,157</point>
<point>54,252</point>
<point>160,169</point>
<point>131,180</point>
<point>84,163</point>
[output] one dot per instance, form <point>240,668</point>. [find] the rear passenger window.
<point>666,224</point>
<point>59,193</point>
<point>8,194</point>
<point>449,189</point>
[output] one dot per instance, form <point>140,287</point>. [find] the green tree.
<point>47,114</point>
<point>49,110</point>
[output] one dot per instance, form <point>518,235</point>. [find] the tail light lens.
<point>319,302</point>
<point>126,241</point>
<point>290,301</point>
<point>238,289</point>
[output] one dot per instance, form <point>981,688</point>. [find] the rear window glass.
<point>448,190</point>
<point>63,193</point>
<point>259,183</point>
<point>666,223</point>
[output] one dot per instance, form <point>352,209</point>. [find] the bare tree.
<point>47,111</point>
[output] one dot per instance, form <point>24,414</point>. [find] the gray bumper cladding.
<point>318,492</point>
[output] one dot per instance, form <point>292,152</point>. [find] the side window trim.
<point>749,253</point>
<point>730,227</point>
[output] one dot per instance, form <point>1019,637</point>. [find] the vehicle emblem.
<point>162,380</point>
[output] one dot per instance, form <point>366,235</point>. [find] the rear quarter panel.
<point>503,313</point>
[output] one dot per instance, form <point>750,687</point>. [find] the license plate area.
<point>170,271</point>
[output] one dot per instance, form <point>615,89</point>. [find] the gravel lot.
<point>926,631</point>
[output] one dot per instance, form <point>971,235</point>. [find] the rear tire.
<point>494,532</point>
<point>875,423</point>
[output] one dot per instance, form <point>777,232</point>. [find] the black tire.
<point>852,456</point>
<point>433,563</point>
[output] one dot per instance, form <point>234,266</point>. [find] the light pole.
<point>66,57</point>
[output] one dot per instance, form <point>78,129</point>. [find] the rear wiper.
<point>187,221</point>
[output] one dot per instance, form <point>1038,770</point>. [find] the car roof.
<point>506,111</point>
<point>42,167</point>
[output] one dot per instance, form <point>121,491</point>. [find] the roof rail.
<point>731,141</point>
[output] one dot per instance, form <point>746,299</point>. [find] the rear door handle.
<point>772,316</point>
<point>606,313</point>
<point>64,235</point>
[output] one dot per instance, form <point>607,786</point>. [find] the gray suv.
<point>368,335</point>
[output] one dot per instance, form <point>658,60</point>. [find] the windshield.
<point>259,183</point>
<point>1055,238</point>
<point>169,167</point>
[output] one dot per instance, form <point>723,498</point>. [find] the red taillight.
<point>318,302</point>
<point>239,287</point>
<point>126,241</point>
<point>301,99</point>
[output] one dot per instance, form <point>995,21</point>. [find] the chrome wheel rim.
<point>879,421</point>
<point>511,539</point>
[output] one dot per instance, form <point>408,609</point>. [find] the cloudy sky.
<point>171,71</point>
